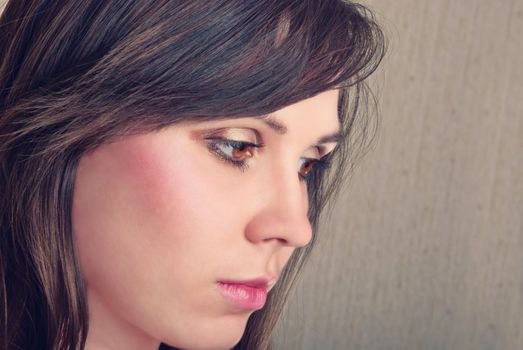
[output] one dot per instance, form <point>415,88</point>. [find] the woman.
<point>164,164</point>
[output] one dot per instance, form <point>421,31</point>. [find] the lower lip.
<point>243,296</point>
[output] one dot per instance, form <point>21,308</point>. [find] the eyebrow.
<point>278,127</point>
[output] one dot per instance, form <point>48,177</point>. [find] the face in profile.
<point>181,233</point>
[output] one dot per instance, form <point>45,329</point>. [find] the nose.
<point>281,215</point>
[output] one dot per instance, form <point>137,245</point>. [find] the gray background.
<point>425,247</point>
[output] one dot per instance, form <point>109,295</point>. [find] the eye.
<point>308,166</point>
<point>232,151</point>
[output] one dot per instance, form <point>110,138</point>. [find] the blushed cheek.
<point>147,174</point>
<point>167,179</point>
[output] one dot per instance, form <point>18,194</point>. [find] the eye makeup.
<point>231,150</point>
<point>238,146</point>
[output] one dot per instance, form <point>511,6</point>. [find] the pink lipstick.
<point>248,295</point>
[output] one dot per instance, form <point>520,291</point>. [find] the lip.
<point>246,294</point>
<point>262,282</point>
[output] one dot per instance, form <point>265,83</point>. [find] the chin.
<point>223,336</point>
<point>214,344</point>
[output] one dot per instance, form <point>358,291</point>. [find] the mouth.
<point>248,295</point>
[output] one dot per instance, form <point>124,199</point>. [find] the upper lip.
<point>260,282</point>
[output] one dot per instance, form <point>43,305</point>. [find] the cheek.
<point>173,184</point>
<point>159,180</point>
<point>150,197</point>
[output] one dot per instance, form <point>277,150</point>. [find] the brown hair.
<point>76,74</point>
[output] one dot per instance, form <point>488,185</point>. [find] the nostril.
<point>277,239</point>
<point>283,241</point>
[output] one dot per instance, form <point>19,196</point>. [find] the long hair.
<point>76,74</point>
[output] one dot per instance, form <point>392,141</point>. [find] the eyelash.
<point>320,165</point>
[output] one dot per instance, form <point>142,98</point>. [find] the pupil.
<point>240,151</point>
<point>308,167</point>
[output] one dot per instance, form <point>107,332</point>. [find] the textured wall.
<point>425,249</point>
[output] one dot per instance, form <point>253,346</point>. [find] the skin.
<point>158,219</point>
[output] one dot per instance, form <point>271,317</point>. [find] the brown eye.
<point>307,167</point>
<point>234,152</point>
<point>241,151</point>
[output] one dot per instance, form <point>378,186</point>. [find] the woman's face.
<point>178,240</point>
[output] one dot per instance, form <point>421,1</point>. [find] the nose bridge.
<point>289,194</point>
<point>282,216</point>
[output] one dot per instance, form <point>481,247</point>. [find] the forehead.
<point>326,101</point>
<point>319,112</point>
<point>322,109</point>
